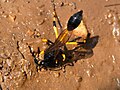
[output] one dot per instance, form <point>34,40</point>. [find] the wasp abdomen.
<point>74,21</point>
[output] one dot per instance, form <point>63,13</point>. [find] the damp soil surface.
<point>25,22</point>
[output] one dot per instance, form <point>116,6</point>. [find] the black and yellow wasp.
<point>57,55</point>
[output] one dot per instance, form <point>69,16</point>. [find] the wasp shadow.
<point>83,51</point>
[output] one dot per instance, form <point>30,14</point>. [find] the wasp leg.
<point>36,57</point>
<point>57,69</point>
<point>47,41</point>
<point>55,18</point>
<point>54,21</point>
<point>31,51</point>
<point>70,63</point>
<point>55,14</point>
<point>42,52</point>
<point>79,43</point>
<point>55,28</point>
<point>42,68</point>
<point>75,43</point>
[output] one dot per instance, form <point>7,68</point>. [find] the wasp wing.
<point>60,41</point>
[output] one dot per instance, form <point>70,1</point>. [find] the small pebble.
<point>110,22</point>
<point>3,1</point>
<point>71,73</point>
<point>9,62</point>
<point>109,15</point>
<point>41,22</point>
<point>29,32</point>
<point>12,17</point>
<point>62,4</point>
<point>45,81</point>
<point>56,74</point>
<point>6,73</point>
<point>4,15</point>
<point>37,81</point>
<point>79,79</point>
<point>1,77</point>
<point>42,70</point>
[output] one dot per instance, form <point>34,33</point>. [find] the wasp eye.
<point>74,21</point>
<point>42,63</point>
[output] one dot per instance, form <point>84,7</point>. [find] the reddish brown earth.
<point>23,21</point>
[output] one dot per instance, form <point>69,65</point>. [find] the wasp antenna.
<point>37,62</point>
<point>31,51</point>
<point>38,50</point>
<point>74,20</point>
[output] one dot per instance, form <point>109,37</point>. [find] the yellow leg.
<point>84,40</point>
<point>64,57</point>
<point>75,43</point>
<point>54,25</point>
<point>42,52</point>
<point>44,40</point>
<point>47,41</point>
